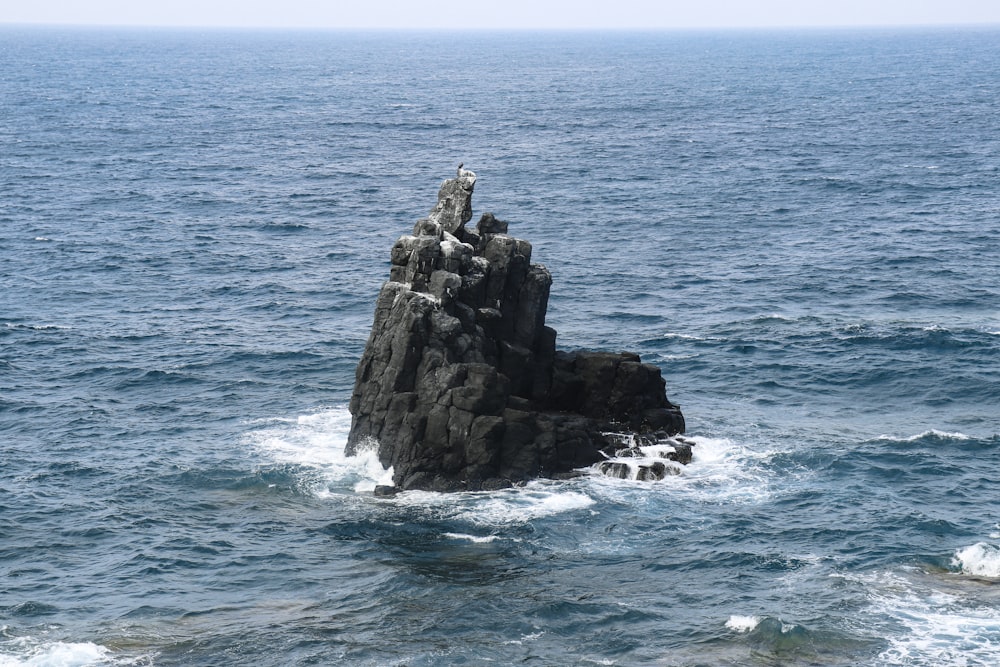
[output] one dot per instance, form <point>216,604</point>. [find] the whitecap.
<point>475,539</point>
<point>682,336</point>
<point>39,327</point>
<point>951,435</point>
<point>742,623</point>
<point>530,637</point>
<point>773,316</point>
<point>980,560</point>
<point>932,433</point>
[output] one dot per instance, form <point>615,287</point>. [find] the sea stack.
<point>460,386</point>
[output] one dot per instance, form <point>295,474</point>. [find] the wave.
<point>683,336</point>
<point>980,560</point>
<point>769,635</point>
<point>678,357</point>
<point>775,627</point>
<point>932,435</point>
<point>38,327</point>
<point>913,336</point>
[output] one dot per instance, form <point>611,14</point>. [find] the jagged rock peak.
<point>454,205</point>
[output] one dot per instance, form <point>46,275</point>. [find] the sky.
<point>502,14</point>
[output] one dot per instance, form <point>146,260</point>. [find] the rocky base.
<point>460,386</point>
<point>647,458</point>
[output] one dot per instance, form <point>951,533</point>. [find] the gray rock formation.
<point>460,385</point>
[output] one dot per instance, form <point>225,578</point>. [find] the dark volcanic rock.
<point>460,385</point>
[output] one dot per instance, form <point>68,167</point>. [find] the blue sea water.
<point>800,228</point>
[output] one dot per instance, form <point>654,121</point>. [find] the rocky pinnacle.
<point>460,386</point>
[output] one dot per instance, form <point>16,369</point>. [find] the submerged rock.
<point>460,386</point>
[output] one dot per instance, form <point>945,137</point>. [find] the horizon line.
<point>526,29</point>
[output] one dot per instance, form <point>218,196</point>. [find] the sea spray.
<point>981,560</point>
<point>315,442</point>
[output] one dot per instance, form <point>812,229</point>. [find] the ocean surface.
<point>802,229</point>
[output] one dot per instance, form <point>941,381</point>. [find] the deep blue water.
<point>801,229</point>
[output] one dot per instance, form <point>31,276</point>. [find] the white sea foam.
<point>475,539</point>
<point>774,316</point>
<point>29,653</point>
<point>929,625</point>
<point>980,560</point>
<point>39,327</point>
<point>742,623</point>
<point>952,435</point>
<point>526,638</point>
<point>683,336</point>
<point>535,500</point>
<point>721,470</point>
<point>317,441</point>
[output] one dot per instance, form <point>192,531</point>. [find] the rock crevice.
<point>461,387</point>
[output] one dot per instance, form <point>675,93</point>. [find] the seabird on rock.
<point>464,173</point>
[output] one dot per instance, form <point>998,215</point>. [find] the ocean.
<point>801,228</point>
